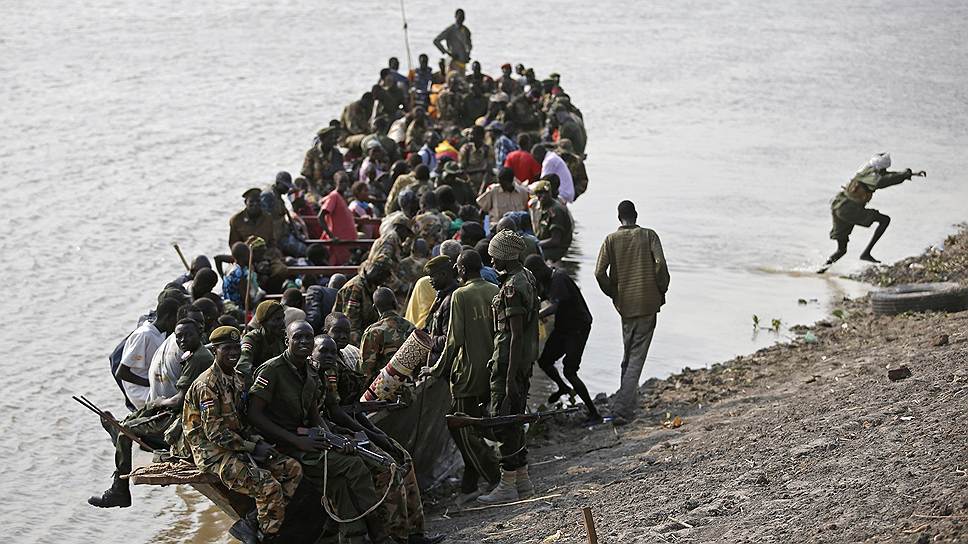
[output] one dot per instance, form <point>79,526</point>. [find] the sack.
<point>858,192</point>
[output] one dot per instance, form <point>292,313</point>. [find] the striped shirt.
<point>632,271</point>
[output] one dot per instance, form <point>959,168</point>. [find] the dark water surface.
<point>127,125</point>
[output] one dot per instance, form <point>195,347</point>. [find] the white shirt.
<point>165,369</point>
<point>139,348</point>
<point>553,164</point>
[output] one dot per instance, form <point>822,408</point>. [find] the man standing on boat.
<point>515,310</point>
<point>458,38</point>
<point>223,444</point>
<point>849,207</point>
<point>632,271</point>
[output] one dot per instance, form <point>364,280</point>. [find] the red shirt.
<point>526,169</point>
<point>340,221</point>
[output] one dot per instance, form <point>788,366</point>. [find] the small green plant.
<point>775,325</point>
<point>756,322</point>
<point>839,314</point>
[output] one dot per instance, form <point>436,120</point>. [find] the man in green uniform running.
<point>515,310</point>
<point>849,207</point>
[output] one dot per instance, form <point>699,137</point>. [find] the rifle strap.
<point>327,505</point>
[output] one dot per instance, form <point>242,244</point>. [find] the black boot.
<point>246,530</point>
<point>118,495</point>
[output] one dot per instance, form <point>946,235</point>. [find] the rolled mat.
<point>410,357</point>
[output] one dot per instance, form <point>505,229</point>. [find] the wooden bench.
<point>349,271</point>
<point>363,243</point>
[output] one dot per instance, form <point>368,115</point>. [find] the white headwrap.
<point>880,161</point>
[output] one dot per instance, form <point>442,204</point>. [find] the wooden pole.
<point>181,256</point>
<point>248,290</point>
<point>589,525</point>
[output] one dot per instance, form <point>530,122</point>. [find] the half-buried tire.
<point>920,297</point>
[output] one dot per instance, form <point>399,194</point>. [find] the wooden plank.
<point>589,525</point>
<point>322,270</point>
<point>363,243</point>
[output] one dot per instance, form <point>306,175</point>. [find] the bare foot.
<point>869,258</point>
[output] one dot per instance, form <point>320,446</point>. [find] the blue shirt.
<point>502,147</point>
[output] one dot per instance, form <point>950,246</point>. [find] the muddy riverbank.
<point>807,441</point>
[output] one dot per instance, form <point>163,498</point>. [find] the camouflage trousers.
<point>271,487</point>
<point>404,508</point>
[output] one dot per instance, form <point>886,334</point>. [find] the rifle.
<point>458,421</point>
<point>109,419</point>
<point>339,442</point>
<point>366,407</point>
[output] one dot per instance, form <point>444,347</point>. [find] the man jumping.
<point>849,207</point>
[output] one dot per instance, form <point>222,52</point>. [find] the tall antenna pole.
<point>406,36</point>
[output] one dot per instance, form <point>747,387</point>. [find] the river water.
<point>127,125</point>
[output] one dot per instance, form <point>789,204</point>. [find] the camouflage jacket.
<point>432,226</point>
<point>355,299</point>
<point>212,420</point>
<point>381,340</point>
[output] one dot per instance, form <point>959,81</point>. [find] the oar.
<point>181,256</point>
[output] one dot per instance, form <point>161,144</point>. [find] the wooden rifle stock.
<point>112,422</point>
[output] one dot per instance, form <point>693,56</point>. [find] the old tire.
<point>920,297</point>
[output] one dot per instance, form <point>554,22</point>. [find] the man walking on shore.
<point>632,271</point>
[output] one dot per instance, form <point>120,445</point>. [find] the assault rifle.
<point>458,421</point>
<point>335,441</point>
<point>109,420</point>
<point>368,406</point>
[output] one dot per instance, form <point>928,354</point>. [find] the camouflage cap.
<point>255,241</point>
<point>326,130</point>
<point>224,335</point>
<point>438,263</point>
<point>540,186</point>
<point>452,168</point>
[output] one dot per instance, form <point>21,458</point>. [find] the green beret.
<point>266,309</point>
<point>438,263</point>
<point>253,191</point>
<point>224,335</point>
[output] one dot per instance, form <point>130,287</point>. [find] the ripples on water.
<point>731,124</point>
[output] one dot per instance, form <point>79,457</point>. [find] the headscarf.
<point>506,246</point>
<point>880,161</point>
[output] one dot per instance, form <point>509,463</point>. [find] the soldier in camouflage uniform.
<point>355,298</point>
<point>222,444</point>
<point>515,351</point>
<point>323,160</point>
<point>431,224</point>
<point>383,338</point>
<point>403,506</point>
<point>285,397</point>
<point>267,341</point>
<point>151,421</point>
